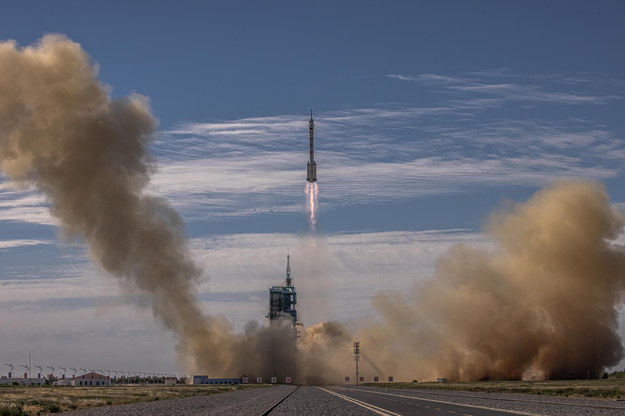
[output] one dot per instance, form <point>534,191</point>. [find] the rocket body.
<point>311,168</point>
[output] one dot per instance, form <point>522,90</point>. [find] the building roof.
<point>91,376</point>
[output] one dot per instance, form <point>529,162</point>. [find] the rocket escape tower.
<point>282,299</point>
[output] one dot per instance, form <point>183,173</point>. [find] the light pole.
<point>11,367</point>
<point>357,358</point>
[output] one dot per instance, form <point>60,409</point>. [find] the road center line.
<point>514,412</point>
<point>375,409</point>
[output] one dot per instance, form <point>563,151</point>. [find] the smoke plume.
<point>543,304</point>
<point>61,133</point>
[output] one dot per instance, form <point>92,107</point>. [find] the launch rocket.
<point>311,168</point>
<point>312,188</point>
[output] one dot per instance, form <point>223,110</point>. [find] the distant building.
<point>63,382</point>
<point>24,381</point>
<point>216,381</point>
<point>90,379</point>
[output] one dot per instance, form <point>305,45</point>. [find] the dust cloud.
<point>543,304</point>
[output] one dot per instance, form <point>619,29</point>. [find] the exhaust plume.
<point>61,133</point>
<point>542,305</point>
<point>312,191</point>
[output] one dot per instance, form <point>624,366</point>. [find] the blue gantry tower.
<point>282,299</point>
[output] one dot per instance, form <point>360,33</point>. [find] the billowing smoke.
<point>543,304</point>
<point>61,133</point>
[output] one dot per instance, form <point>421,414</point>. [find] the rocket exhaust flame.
<point>312,191</point>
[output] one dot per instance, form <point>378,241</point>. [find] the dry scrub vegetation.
<point>602,389</point>
<point>21,401</point>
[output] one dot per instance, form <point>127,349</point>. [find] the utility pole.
<point>357,358</point>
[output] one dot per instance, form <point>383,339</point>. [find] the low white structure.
<point>24,381</point>
<point>63,382</point>
<point>90,379</point>
<point>207,380</point>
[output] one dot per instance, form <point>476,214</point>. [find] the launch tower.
<point>282,299</point>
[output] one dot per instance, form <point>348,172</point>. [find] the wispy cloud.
<point>555,89</point>
<point>23,205</point>
<point>373,154</point>
<point>476,136</point>
<point>224,169</point>
<point>240,268</point>
<point>21,243</point>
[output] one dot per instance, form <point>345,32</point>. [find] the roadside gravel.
<point>534,404</point>
<point>250,402</point>
<point>312,401</point>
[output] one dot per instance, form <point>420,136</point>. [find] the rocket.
<point>311,168</point>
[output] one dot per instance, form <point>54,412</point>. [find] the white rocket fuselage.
<point>311,168</point>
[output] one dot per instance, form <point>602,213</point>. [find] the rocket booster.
<point>311,168</point>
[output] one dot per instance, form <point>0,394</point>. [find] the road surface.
<point>394,404</point>
<point>363,401</point>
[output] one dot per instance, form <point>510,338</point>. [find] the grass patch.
<point>36,400</point>
<point>11,411</point>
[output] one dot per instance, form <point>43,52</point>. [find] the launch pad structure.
<point>282,299</point>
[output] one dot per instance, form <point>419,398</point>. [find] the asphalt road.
<point>393,404</point>
<point>289,401</point>
<point>363,401</point>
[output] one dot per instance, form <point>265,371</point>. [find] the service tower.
<point>282,299</point>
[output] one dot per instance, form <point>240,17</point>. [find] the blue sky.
<point>428,115</point>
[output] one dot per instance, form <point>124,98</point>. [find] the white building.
<point>63,382</point>
<point>90,379</point>
<point>24,381</point>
